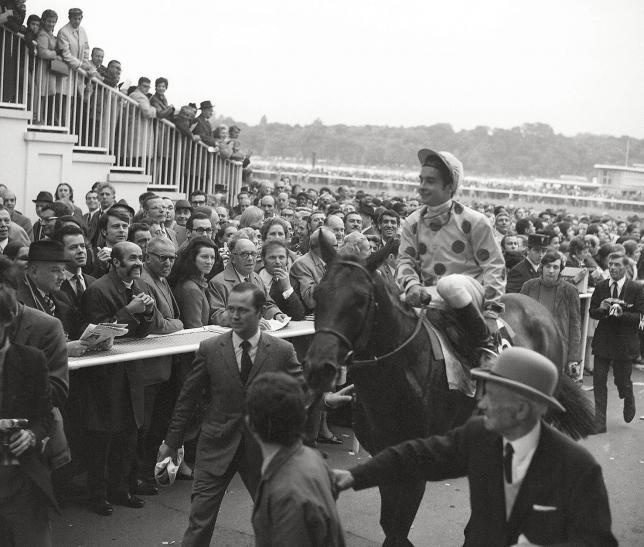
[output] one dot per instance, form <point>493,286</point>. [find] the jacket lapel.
<point>228,353</point>
<point>262,353</point>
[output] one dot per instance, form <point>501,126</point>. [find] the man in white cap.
<point>529,484</point>
<point>448,252</point>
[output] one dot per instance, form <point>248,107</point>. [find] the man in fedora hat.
<point>528,268</point>
<point>203,129</point>
<point>42,199</point>
<point>448,254</point>
<point>529,484</point>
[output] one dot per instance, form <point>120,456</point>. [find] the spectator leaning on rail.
<point>447,244</point>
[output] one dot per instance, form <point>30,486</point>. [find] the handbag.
<point>59,68</point>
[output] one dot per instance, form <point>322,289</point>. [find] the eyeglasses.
<point>164,258</point>
<point>203,230</point>
<point>247,254</point>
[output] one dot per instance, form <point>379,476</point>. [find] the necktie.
<point>129,294</point>
<point>507,463</point>
<point>615,295</point>
<point>50,306</point>
<point>246,363</point>
<point>80,289</point>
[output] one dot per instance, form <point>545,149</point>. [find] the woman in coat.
<point>561,299</point>
<point>50,111</point>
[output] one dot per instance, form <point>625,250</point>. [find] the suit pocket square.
<point>536,507</point>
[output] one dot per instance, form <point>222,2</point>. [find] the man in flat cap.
<point>529,484</point>
<point>528,268</point>
<point>448,253</point>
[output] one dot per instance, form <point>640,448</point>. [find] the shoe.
<point>127,500</point>
<point>102,507</point>
<point>629,408</point>
<point>144,488</point>
<point>329,440</point>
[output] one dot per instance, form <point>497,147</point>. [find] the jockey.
<point>448,253</point>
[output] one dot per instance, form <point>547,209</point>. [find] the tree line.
<point>533,149</point>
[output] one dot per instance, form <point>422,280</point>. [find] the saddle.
<point>451,343</point>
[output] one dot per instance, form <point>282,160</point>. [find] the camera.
<point>8,426</point>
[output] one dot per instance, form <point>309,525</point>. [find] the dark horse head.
<point>349,301</point>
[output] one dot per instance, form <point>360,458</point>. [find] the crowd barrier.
<point>110,122</point>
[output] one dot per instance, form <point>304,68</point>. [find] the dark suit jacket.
<point>291,306</point>
<point>25,394</point>
<point>204,130</point>
<point>166,321</point>
<point>91,225</point>
<point>617,337</point>
<point>219,288</point>
<point>110,394</point>
<point>295,504</point>
<point>215,368</point>
<point>563,478</point>
<point>70,291</point>
<point>518,275</point>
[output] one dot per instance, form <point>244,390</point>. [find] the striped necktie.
<point>50,305</point>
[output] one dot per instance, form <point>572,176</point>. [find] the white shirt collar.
<point>620,284</point>
<point>254,340</point>
<point>524,449</point>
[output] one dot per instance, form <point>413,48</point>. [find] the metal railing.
<point>108,121</point>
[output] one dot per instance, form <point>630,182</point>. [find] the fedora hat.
<point>47,250</point>
<point>206,104</point>
<point>525,372</point>
<point>43,196</point>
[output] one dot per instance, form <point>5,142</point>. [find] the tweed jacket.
<point>215,368</point>
<point>562,499</point>
<point>617,337</point>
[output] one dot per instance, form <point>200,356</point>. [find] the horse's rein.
<point>347,342</point>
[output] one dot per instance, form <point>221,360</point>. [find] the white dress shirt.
<point>252,351</point>
<point>524,449</point>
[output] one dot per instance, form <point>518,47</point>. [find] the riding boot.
<point>481,341</point>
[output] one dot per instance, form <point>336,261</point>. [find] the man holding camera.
<point>25,420</point>
<point>618,304</point>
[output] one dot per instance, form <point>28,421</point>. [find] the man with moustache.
<point>352,222</point>
<point>112,396</point>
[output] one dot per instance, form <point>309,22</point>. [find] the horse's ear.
<point>376,259</point>
<point>327,251</point>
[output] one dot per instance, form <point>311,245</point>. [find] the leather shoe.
<point>127,500</point>
<point>629,408</point>
<point>102,507</point>
<point>144,488</point>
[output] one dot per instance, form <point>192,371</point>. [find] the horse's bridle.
<point>371,308</point>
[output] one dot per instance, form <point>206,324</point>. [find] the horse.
<point>401,389</point>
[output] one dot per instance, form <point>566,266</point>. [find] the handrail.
<point>106,121</point>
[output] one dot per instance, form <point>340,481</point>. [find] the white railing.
<point>108,121</point>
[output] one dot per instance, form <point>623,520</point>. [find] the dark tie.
<point>246,363</point>
<point>615,295</point>
<point>50,306</point>
<point>129,294</point>
<point>507,463</point>
<point>79,285</point>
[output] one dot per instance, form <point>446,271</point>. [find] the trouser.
<point>208,491</point>
<point>622,377</point>
<point>24,511</point>
<point>110,461</point>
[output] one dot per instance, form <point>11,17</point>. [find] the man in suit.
<point>226,363</point>
<point>295,502</point>
<point>113,227</point>
<point>277,280</point>
<point>618,305</point>
<point>42,199</point>
<point>528,268</point>
<point>75,251</point>
<point>5,222</point>
<point>25,484</point>
<point>156,211</point>
<point>309,269</point>
<point>112,396</point>
<point>240,268</point>
<point>91,218</point>
<point>203,129</point>
<point>159,393</point>
<point>528,483</point>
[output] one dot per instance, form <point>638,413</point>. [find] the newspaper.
<point>277,325</point>
<point>103,332</point>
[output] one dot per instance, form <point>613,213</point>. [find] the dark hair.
<point>270,222</point>
<point>389,213</point>
<point>276,408</point>
<point>66,230</point>
<point>444,171</point>
<point>197,193</point>
<point>184,267</point>
<point>113,62</point>
<point>47,14</point>
<point>522,225</point>
<point>577,244</point>
<point>274,243</point>
<point>144,196</point>
<point>112,212</point>
<point>91,192</point>
<point>65,220</point>
<point>161,80</point>
<point>618,255</point>
<point>550,257</point>
<point>33,18</point>
<point>137,227</point>
<point>13,247</point>
<point>143,80</point>
<point>196,216</point>
<point>71,191</point>
<point>605,251</point>
<point>259,298</point>
<point>630,246</point>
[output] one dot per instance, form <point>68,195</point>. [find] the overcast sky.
<point>574,64</point>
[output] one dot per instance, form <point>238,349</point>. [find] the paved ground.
<point>442,516</point>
